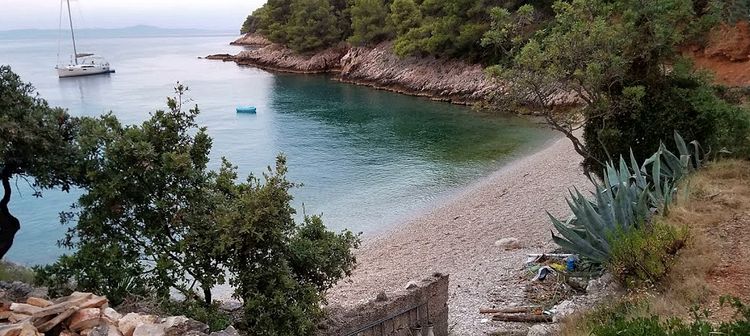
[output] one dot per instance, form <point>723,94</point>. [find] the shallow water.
<point>366,157</point>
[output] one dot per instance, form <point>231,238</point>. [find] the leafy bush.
<point>683,102</point>
<point>154,220</point>
<point>643,256</point>
<point>279,269</point>
<point>210,315</point>
<point>11,272</point>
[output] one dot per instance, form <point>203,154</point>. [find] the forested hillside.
<point>482,30</point>
<point>486,31</point>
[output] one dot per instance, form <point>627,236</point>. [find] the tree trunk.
<point>208,299</point>
<point>9,225</point>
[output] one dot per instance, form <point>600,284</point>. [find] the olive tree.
<point>37,143</point>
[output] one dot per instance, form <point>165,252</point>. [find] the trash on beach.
<point>542,265</point>
<point>542,273</point>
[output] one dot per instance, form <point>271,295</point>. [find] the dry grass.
<point>714,205</point>
<point>718,214</point>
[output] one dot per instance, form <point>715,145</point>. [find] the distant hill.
<point>134,31</point>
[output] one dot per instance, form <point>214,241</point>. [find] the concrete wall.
<point>396,313</point>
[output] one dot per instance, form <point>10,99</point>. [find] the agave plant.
<point>621,203</point>
<point>625,199</point>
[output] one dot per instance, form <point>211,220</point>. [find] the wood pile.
<point>517,314</point>
<point>85,314</point>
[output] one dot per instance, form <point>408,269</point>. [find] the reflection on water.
<point>367,158</point>
<point>86,87</point>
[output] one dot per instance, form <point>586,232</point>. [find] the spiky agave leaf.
<point>681,146</point>
<point>573,242</point>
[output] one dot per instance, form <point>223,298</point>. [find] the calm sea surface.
<point>367,158</point>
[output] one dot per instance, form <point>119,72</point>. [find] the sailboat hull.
<point>77,71</point>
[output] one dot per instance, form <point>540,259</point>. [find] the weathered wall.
<point>396,313</point>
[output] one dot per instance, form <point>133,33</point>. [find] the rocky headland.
<point>449,80</point>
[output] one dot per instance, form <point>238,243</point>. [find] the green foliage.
<point>303,25</point>
<point>10,272</point>
<point>620,59</point>
<point>508,32</point>
<point>617,324</point>
<point>36,140</point>
<point>154,220</point>
<point>313,25</point>
<point>279,269</point>
<point>369,19</point>
<point>452,28</point>
<point>643,256</point>
<point>683,102</point>
<point>732,11</point>
<point>624,202</point>
<point>272,18</point>
<point>404,15</point>
<point>147,206</point>
<point>210,315</point>
<point>250,25</point>
<point>103,269</point>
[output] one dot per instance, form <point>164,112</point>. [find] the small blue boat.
<point>245,109</point>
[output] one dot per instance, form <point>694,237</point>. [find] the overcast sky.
<point>204,14</point>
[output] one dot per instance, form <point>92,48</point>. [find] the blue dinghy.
<point>245,109</point>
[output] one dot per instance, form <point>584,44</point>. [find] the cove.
<point>366,158</point>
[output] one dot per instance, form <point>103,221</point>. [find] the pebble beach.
<point>459,238</point>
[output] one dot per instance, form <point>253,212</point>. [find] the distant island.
<point>139,30</point>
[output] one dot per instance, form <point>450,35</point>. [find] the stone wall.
<point>395,314</point>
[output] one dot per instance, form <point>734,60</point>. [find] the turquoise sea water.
<point>367,158</point>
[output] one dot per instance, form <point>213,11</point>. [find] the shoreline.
<point>447,80</point>
<point>457,237</point>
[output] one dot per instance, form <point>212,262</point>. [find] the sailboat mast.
<point>72,35</point>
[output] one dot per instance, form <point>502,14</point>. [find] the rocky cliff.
<point>441,79</point>
<point>726,54</point>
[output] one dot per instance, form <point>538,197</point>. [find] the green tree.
<point>250,25</point>
<point>369,22</point>
<point>36,141</point>
<point>272,18</point>
<point>313,25</point>
<point>620,60</point>
<point>404,15</point>
<point>148,201</point>
<point>280,269</point>
<point>154,219</point>
<point>508,32</point>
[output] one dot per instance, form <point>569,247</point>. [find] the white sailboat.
<point>82,64</point>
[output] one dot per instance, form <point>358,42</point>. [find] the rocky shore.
<point>447,80</point>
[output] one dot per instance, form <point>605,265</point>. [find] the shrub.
<point>210,315</point>
<point>643,256</point>
<point>280,269</point>
<point>685,103</point>
<point>621,325</point>
<point>154,220</point>
<point>10,272</point>
<point>632,317</point>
